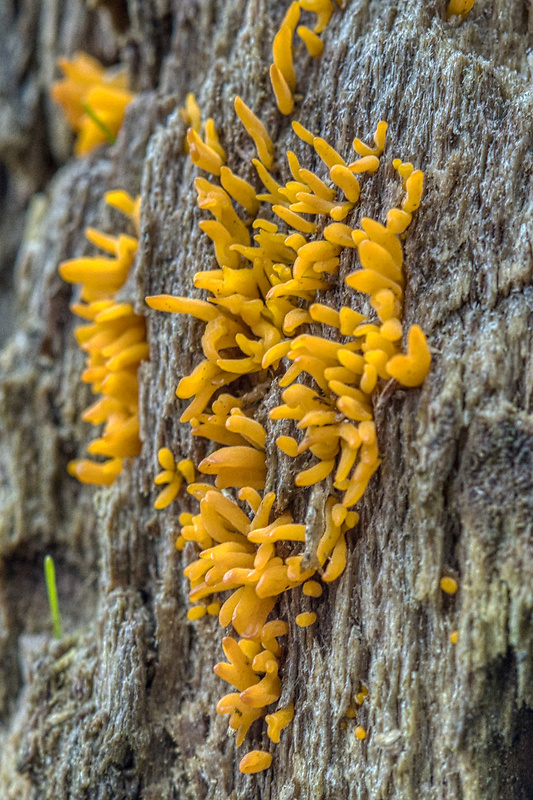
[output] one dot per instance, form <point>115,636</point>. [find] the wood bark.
<point>124,705</point>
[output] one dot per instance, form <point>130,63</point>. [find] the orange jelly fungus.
<point>459,8</point>
<point>449,585</point>
<point>282,74</point>
<point>255,761</point>
<point>262,316</point>
<point>114,341</point>
<point>173,476</point>
<point>93,99</point>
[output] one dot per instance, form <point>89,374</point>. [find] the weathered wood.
<point>124,705</point>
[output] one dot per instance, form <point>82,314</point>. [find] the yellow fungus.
<point>282,55</point>
<point>411,369</point>
<point>287,445</point>
<point>398,220</point>
<point>344,179</point>
<point>454,637</point>
<point>294,220</point>
<point>305,619</point>
<point>93,99</point>
<point>196,612</point>
<point>278,721</point>
<point>263,291</point>
<point>202,155</point>
<point>115,345</point>
<point>360,733</point>
<point>379,141</point>
<point>351,713</point>
<point>314,474</point>
<point>302,132</point>
<point>414,186</point>
<point>340,234</point>
<point>190,113</point>
<point>255,761</point>
<point>323,10</point>
<point>212,140</point>
<point>282,92</point>
<point>360,696</point>
<point>369,379</point>
<point>183,305</point>
<point>258,132</point>
<point>459,7</point>
<point>449,585</point>
<point>312,589</point>
<point>313,43</point>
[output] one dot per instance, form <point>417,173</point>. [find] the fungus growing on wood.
<point>282,75</point>
<point>449,585</point>
<point>255,761</point>
<point>261,296</point>
<point>173,476</point>
<point>459,8</point>
<point>93,99</point>
<point>115,342</point>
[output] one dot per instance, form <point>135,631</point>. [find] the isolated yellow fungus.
<point>93,99</point>
<point>305,619</point>
<point>360,696</point>
<point>255,761</point>
<point>454,637</point>
<point>360,733</point>
<point>449,585</point>
<point>459,8</point>
<point>414,186</point>
<point>312,589</point>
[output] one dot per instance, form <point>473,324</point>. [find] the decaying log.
<point>124,705</point>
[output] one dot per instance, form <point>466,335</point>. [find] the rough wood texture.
<point>123,706</point>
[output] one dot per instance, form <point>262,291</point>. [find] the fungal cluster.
<point>282,75</point>
<point>263,317</point>
<point>115,343</point>
<point>93,99</point>
<point>278,250</point>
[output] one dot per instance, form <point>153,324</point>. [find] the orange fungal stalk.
<point>115,343</point>
<point>94,100</point>
<point>262,315</point>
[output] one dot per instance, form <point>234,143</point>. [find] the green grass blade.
<point>97,121</point>
<point>51,588</point>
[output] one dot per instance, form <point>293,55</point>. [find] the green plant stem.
<point>51,587</point>
<point>97,121</point>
